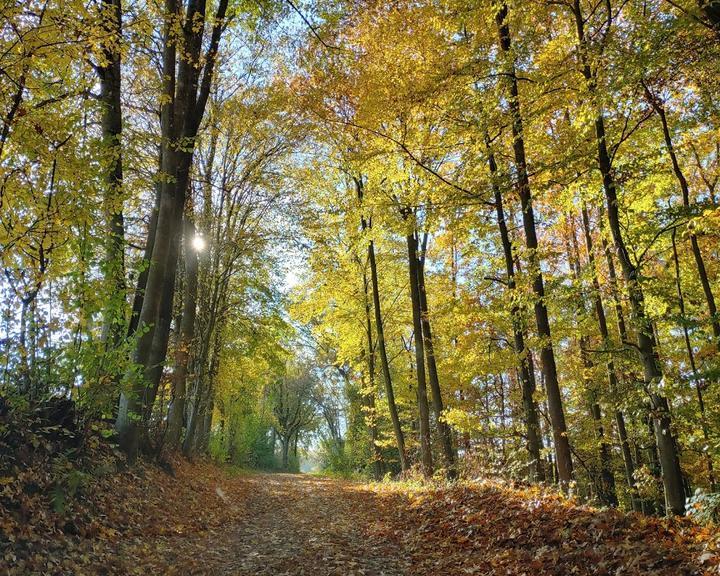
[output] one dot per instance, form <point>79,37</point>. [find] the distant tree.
<point>292,399</point>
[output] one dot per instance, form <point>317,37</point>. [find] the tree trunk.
<point>131,401</point>
<point>646,343</point>
<point>684,188</point>
<point>563,455</point>
<point>182,109</point>
<point>693,367</point>
<point>436,394</point>
<point>140,285</point>
<point>610,365</point>
<point>423,407</point>
<point>606,482</point>
<point>379,327</point>
<point>285,447</point>
<point>111,123</point>
<point>203,444</point>
<point>536,470</point>
<point>186,337</point>
<point>370,395</point>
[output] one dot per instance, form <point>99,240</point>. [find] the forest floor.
<point>202,519</point>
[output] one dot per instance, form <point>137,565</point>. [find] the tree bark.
<point>563,455</point>
<point>646,342</point>
<point>606,482</point>
<point>432,372</point>
<point>111,123</point>
<point>379,327</point>
<point>423,407</point>
<point>186,336</point>
<point>685,189</point>
<point>141,283</point>
<point>370,395</point>
<point>693,366</point>
<point>183,106</point>
<point>610,365</point>
<point>527,375</point>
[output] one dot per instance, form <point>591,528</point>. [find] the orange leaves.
<point>492,529</point>
<point>204,521</point>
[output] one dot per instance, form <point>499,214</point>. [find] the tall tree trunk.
<point>186,336</point>
<point>285,447</point>
<point>606,481</point>
<point>207,361</point>
<point>423,407</point>
<point>158,350</point>
<point>436,394</point>
<point>527,376</point>
<point>684,188</point>
<point>203,443</point>
<point>183,106</point>
<point>693,366</point>
<point>563,455</point>
<point>141,284</point>
<point>369,395</point>
<point>646,343</point>
<point>111,123</point>
<point>610,364</point>
<point>379,327</point>
<point>131,402</point>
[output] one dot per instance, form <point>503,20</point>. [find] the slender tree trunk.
<point>141,284</point>
<point>186,337</point>
<point>646,342</point>
<point>693,366</point>
<point>423,407</point>
<point>685,189</point>
<point>35,386</point>
<point>23,348</point>
<point>527,375</point>
<point>196,437</point>
<point>389,391</point>
<point>110,91</point>
<point>369,396</point>
<point>563,455</point>
<point>204,438</point>
<point>606,484</point>
<point>436,394</point>
<point>610,365</point>
<point>385,364</point>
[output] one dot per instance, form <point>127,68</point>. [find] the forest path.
<point>293,524</point>
<point>205,520</point>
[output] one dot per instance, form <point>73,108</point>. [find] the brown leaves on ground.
<point>489,528</point>
<point>205,520</point>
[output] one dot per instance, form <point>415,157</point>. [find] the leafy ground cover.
<point>61,515</point>
<point>204,520</point>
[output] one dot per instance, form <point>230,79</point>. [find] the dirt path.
<point>206,521</point>
<point>303,525</point>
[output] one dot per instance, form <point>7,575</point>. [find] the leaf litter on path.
<point>207,521</point>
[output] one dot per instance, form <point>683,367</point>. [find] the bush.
<point>245,442</point>
<point>334,459</point>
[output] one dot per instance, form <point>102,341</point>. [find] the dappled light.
<point>360,287</point>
